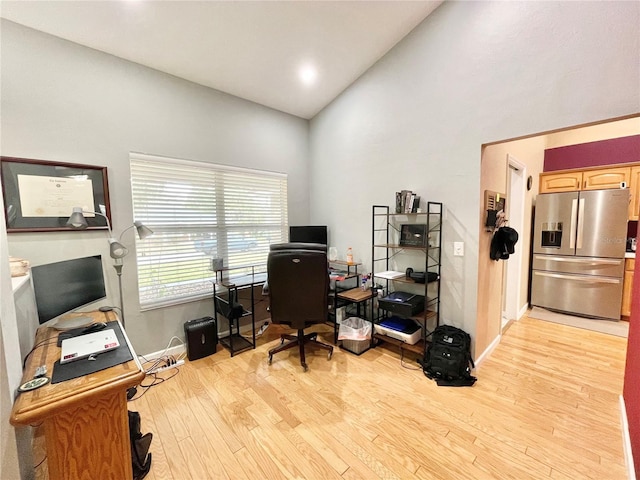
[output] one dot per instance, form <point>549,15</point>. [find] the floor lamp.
<point>117,250</point>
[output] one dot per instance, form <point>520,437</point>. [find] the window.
<point>200,212</point>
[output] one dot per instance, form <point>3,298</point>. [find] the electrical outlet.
<point>458,249</point>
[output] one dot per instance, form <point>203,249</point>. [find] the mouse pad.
<point>122,354</point>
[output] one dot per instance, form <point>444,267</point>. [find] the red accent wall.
<point>631,390</point>
<point>593,154</point>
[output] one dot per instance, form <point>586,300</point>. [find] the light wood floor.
<point>545,406</point>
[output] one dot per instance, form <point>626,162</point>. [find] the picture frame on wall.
<point>39,195</point>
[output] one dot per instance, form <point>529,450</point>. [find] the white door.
<point>517,175</point>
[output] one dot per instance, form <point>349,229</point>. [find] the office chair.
<point>298,293</point>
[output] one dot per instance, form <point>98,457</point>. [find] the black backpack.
<point>140,458</point>
<point>448,357</point>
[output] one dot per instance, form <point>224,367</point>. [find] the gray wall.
<point>64,102</point>
<point>471,73</point>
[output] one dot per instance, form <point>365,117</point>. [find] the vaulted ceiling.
<point>293,56</point>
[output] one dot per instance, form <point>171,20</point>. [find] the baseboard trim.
<point>523,310</point>
<point>245,328</point>
<point>626,441</point>
<point>488,350</point>
<point>175,351</point>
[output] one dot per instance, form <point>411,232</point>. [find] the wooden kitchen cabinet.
<point>574,180</point>
<point>560,182</point>
<point>634,186</point>
<point>627,286</point>
<point>605,178</point>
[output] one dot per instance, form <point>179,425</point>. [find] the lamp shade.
<point>77,220</point>
<point>116,249</point>
<point>143,232</point>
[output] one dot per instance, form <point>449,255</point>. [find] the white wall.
<point>68,103</point>
<point>470,74</point>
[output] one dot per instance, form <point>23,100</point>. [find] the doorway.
<point>516,179</point>
<point>494,176</point>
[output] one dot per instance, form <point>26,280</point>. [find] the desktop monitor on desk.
<point>63,287</point>
<point>308,234</point>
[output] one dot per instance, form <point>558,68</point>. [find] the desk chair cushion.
<point>298,284</point>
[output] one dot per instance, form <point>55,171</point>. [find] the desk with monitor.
<point>85,419</point>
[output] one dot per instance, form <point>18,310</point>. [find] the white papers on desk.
<point>389,274</point>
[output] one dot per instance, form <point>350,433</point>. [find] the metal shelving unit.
<point>347,292</point>
<point>388,254</point>
<point>225,303</point>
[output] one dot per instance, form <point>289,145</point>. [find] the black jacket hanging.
<point>502,243</point>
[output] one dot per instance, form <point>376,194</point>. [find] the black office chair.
<point>298,293</point>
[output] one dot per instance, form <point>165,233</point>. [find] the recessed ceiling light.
<point>308,74</point>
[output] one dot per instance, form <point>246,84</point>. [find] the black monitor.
<point>308,234</point>
<point>63,287</point>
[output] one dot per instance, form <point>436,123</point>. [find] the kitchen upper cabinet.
<point>572,181</point>
<point>605,178</point>
<point>627,285</point>
<point>634,186</point>
<point>560,182</point>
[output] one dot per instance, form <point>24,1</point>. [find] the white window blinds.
<point>199,212</point>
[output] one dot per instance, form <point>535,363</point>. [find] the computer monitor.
<point>308,234</point>
<point>62,287</point>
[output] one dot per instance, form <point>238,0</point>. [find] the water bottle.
<point>349,256</point>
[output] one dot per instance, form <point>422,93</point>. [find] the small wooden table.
<point>85,419</point>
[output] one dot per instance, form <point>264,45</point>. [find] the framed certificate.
<point>40,195</point>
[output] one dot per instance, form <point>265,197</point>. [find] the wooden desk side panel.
<point>91,441</point>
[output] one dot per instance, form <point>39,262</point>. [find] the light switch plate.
<point>458,249</point>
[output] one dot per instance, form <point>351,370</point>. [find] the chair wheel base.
<point>299,341</point>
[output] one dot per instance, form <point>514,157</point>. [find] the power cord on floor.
<point>405,365</point>
<point>156,381</point>
<point>259,333</point>
<point>40,463</point>
<point>163,360</point>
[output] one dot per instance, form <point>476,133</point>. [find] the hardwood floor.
<point>545,406</point>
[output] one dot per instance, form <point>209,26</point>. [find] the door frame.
<point>512,279</point>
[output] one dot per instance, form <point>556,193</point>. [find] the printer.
<point>402,303</point>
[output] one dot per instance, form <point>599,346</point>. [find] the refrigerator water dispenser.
<point>552,235</point>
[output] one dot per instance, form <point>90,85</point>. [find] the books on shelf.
<point>407,202</point>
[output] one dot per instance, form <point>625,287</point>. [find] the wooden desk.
<point>85,419</point>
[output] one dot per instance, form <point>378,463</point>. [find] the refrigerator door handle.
<point>586,279</point>
<point>574,215</point>
<point>587,261</point>
<point>580,223</point>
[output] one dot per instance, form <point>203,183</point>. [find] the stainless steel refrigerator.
<point>579,243</point>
